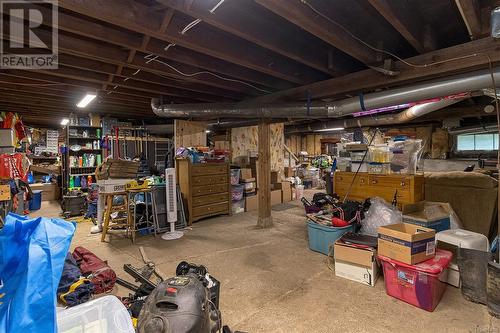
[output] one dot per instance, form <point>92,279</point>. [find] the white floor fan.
<point>171,202</point>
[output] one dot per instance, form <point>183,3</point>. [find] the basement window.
<point>477,142</point>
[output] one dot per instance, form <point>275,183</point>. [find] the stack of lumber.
<point>117,169</point>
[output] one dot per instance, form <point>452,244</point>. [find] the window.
<point>488,141</point>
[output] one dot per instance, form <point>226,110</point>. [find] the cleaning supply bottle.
<point>83,182</point>
<point>77,181</point>
<point>89,180</point>
<point>71,182</point>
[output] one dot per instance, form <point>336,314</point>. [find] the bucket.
<point>473,267</point>
<point>320,236</point>
<point>36,200</point>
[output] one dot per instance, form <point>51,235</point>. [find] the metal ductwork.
<point>398,118</point>
<point>415,92</point>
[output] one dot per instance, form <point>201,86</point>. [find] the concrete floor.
<point>272,282</point>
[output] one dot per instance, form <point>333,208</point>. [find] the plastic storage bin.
<point>102,315</point>
<point>238,207</point>
<point>235,176</point>
<point>455,238</point>
<point>363,167</point>
<point>36,201</point>
<point>237,192</point>
<point>320,236</point>
<point>379,168</point>
<point>421,284</point>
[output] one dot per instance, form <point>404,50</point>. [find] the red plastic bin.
<point>421,284</point>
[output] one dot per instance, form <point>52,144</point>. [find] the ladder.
<point>164,154</point>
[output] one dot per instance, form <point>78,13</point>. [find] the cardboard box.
<point>286,191</point>
<point>406,242</point>
<point>355,263</point>
<point>275,197</point>
<point>289,172</point>
<point>251,203</point>
<point>246,173</point>
<point>4,192</point>
<point>50,191</point>
<point>433,215</point>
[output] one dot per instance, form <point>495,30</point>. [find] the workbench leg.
<point>107,217</point>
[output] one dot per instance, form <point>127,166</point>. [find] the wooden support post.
<point>264,187</point>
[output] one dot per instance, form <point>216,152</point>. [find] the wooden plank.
<point>469,9</point>
<point>468,56</point>
<point>265,219</point>
<point>245,22</point>
<point>404,19</point>
<point>302,16</point>
<point>189,133</point>
<point>141,19</point>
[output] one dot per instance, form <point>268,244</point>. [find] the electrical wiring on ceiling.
<point>151,57</point>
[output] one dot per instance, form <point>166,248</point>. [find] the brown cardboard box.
<point>286,189</point>
<point>246,173</point>
<point>275,197</point>
<point>289,172</point>
<point>251,203</point>
<point>50,191</point>
<point>356,264</point>
<point>406,242</point>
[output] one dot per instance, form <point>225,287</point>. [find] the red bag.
<point>97,270</point>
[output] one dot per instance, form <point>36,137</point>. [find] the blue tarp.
<point>32,253</point>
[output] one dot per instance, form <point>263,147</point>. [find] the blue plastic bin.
<point>320,236</point>
<point>36,200</point>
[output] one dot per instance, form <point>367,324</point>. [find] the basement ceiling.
<point>199,51</point>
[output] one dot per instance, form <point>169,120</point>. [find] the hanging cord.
<point>359,167</point>
<point>151,57</point>
<point>384,51</point>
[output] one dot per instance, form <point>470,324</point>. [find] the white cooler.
<point>455,238</point>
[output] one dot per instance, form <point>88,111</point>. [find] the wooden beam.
<point>126,72</point>
<point>302,16</point>
<point>246,23</point>
<point>363,81</point>
<point>183,59</point>
<point>37,79</point>
<point>140,18</point>
<point>169,13</point>
<point>404,19</point>
<point>265,219</point>
<point>469,9</point>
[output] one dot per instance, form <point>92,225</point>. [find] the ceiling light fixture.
<point>86,100</point>
<point>65,121</point>
<point>330,129</point>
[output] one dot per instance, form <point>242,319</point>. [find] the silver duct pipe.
<point>368,121</point>
<point>240,110</point>
<point>416,92</point>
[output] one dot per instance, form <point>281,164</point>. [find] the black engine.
<point>186,303</point>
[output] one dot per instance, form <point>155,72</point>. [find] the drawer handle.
<point>362,181</point>
<point>374,182</point>
<point>403,183</point>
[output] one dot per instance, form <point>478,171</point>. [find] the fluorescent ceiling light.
<point>86,100</point>
<point>330,129</point>
<point>65,121</point>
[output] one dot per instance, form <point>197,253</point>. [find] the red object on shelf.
<point>419,285</point>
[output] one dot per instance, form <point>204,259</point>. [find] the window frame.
<point>476,152</point>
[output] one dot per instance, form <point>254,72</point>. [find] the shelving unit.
<point>81,135</point>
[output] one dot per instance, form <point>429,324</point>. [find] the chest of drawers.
<point>406,188</point>
<point>205,188</point>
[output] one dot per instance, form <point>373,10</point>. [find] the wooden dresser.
<point>410,188</point>
<point>205,187</point>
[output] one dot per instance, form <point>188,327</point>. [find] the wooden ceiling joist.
<point>141,19</point>
<point>301,15</point>
<point>249,25</point>
<point>467,57</point>
<point>406,21</point>
<point>470,12</point>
